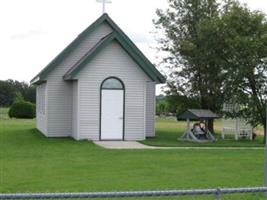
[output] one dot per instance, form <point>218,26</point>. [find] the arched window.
<point>112,83</point>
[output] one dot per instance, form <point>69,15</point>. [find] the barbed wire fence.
<point>251,193</point>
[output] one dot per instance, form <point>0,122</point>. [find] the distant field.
<point>4,113</point>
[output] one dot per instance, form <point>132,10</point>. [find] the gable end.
<point>70,75</point>
<point>117,34</point>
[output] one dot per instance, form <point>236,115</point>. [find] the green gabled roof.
<point>70,75</point>
<point>197,114</point>
<point>118,35</point>
<point>89,55</point>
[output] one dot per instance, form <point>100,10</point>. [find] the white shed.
<point>100,87</point>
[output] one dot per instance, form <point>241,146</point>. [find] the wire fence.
<point>252,193</point>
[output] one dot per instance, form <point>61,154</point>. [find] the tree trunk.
<point>265,125</point>
<point>211,125</point>
<point>264,138</point>
<point>205,105</point>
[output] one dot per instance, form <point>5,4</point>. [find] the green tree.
<point>7,93</point>
<point>9,88</point>
<point>30,94</point>
<point>27,91</point>
<point>194,73</point>
<point>18,98</point>
<point>161,107</point>
<point>218,56</point>
<point>240,38</point>
<point>244,35</point>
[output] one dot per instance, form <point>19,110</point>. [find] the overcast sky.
<point>33,32</point>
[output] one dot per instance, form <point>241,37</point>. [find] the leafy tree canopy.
<point>9,89</point>
<point>217,53</point>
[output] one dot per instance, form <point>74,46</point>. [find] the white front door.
<point>112,115</point>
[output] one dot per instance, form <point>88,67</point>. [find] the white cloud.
<point>33,32</point>
<point>27,34</point>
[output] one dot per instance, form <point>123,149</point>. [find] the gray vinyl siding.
<point>112,61</point>
<point>59,92</point>
<point>150,109</point>
<point>41,108</point>
<point>75,110</point>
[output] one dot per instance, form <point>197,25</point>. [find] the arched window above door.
<point>112,83</point>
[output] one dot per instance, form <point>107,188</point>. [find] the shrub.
<point>22,109</point>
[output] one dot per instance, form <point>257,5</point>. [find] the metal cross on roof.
<point>104,4</point>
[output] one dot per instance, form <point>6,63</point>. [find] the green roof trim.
<point>74,70</point>
<point>197,114</point>
<point>117,34</point>
<point>70,75</point>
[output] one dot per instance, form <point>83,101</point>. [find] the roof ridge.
<point>124,44</point>
<point>90,51</point>
<point>140,58</point>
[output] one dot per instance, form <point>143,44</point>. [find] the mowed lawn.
<point>169,130</point>
<point>30,162</point>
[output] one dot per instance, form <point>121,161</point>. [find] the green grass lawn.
<point>30,162</point>
<point>3,113</point>
<point>167,132</point>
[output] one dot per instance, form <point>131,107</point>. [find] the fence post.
<point>218,194</point>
